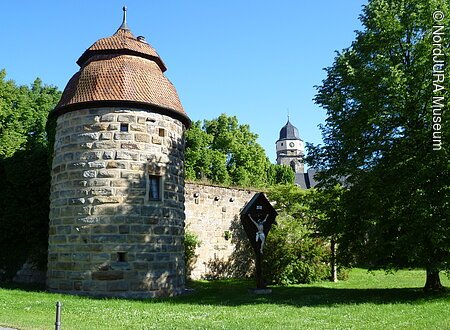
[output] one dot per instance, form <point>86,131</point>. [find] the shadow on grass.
<point>232,293</point>
<point>27,287</point>
<point>235,293</point>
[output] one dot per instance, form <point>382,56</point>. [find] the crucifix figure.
<point>260,231</point>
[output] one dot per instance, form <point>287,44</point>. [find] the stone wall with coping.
<point>106,237</point>
<point>212,213</point>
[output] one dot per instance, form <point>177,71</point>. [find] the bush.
<point>191,242</point>
<point>293,254</point>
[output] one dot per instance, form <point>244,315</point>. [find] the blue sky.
<point>256,60</point>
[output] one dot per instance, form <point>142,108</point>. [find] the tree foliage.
<point>225,152</point>
<point>24,172</point>
<point>378,136</point>
<point>294,251</point>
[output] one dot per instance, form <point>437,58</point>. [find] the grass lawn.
<point>364,301</point>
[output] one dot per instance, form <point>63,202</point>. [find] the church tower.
<point>117,192</point>
<point>290,148</point>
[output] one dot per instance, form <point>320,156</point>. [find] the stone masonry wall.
<point>212,213</point>
<point>107,238</point>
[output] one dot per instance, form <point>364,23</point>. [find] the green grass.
<point>364,301</point>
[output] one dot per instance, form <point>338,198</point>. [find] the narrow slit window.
<point>121,256</point>
<point>162,132</point>
<point>124,127</point>
<point>154,188</point>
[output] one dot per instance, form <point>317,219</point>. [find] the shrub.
<point>293,254</point>
<point>191,242</point>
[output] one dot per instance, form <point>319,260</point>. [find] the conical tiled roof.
<point>289,132</point>
<point>122,70</point>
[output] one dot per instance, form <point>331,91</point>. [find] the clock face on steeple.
<point>292,144</point>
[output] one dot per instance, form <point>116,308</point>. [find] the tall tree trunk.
<point>433,282</point>
<point>333,261</point>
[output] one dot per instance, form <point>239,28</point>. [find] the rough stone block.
<point>89,155</point>
<point>101,191</point>
<point>96,127</point>
<point>77,257</point>
<point>137,128</point>
<point>108,117</point>
<point>105,145</point>
<point>126,118</point>
<point>145,138</point>
<point>114,127</point>
<point>120,183</point>
<point>85,145</point>
<point>131,175</point>
<point>76,165</point>
<point>98,164</point>
<point>137,167</point>
<point>86,137</point>
<point>109,275</point>
<point>127,155</point>
<point>100,257</point>
<point>129,146</point>
<point>145,256</point>
<point>109,155</point>
<point>65,285</point>
<point>106,174</point>
<point>116,164</point>
<point>123,136</point>
<point>88,220</point>
<point>150,210</point>
<point>105,238</point>
<point>77,201</point>
<point>58,239</point>
<point>106,200</point>
<point>105,136</point>
<point>68,156</point>
<point>156,140</point>
<point>57,274</point>
<point>117,286</point>
<point>89,174</point>
<point>104,229</point>
<point>63,230</point>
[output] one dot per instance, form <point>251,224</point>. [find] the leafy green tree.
<point>280,174</point>
<point>201,161</point>
<point>328,212</point>
<point>226,152</point>
<point>378,136</point>
<point>24,172</point>
<point>294,252</point>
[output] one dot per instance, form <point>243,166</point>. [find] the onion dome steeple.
<point>122,70</point>
<point>289,132</point>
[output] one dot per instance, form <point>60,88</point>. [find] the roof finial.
<point>124,25</point>
<point>288,114</point>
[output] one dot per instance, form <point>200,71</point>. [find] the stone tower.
<point>290,148</point>
<point>117,192</point>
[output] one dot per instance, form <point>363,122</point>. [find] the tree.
<point>294,252</point>
<point>24,172</point>
<point>328,214</point>
<point>226,152</point>
<point>378,136</point>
